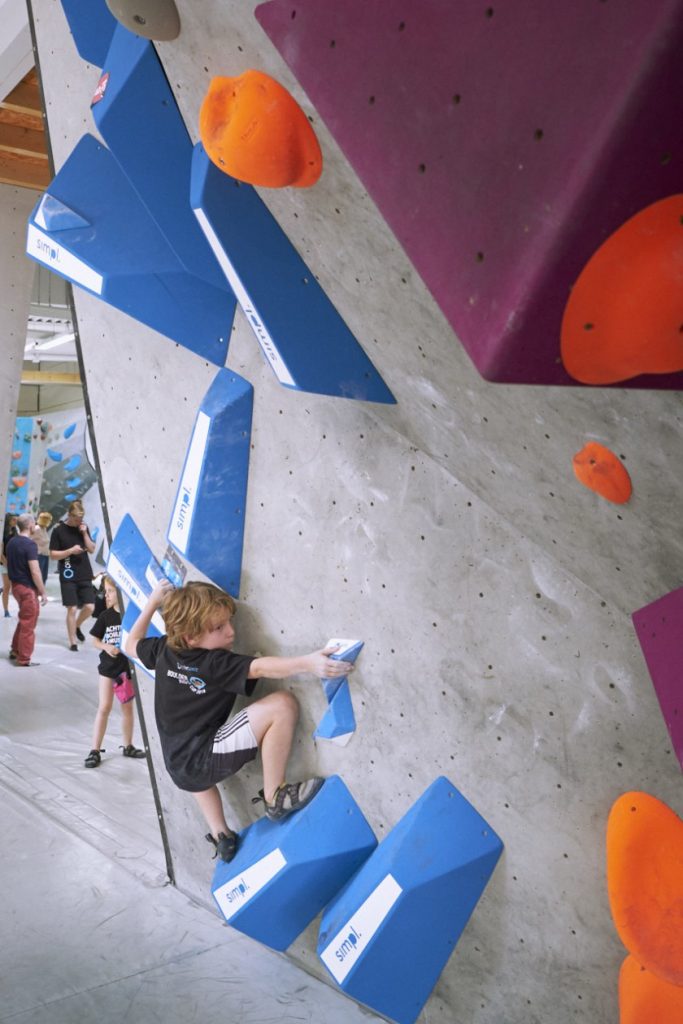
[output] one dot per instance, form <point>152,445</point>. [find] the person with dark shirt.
<point>28,590</point>
<point>114,678</point>
<point>198,678</point>
<point>9,530</point>
<point>70,544</point>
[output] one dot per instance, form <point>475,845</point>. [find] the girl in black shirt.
<point>114,671</point>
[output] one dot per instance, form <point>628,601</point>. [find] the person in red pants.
<point>28,589</point>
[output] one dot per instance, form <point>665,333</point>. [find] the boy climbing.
<point>197,680</point>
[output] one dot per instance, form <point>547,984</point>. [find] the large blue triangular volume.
<point>387,936</point>
<point>303,337</point>
<point>339,720</point>
<point>207,522</point>
<point>120,255</point>
<point>137,116</point>
<point>284,873</point>
<point>92,25</point>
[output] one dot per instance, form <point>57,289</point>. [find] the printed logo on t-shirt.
<point>196,684</point>
<point>112,635</point>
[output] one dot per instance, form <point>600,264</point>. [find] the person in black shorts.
<point>70,544</point>
<point>198,678</point>
<point>114,669</point>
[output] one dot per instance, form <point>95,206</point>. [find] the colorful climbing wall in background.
<point>502,144</point>
<point>52,466</point>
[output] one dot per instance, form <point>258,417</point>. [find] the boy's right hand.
<point>162,588</point>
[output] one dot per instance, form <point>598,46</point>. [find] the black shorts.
<point>76,594</point>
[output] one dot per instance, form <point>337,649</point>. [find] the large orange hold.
<point>601,471</point>
<point>646,999</point>
<point>624,316</point>
<point>255,131</point>
<point>645,882</point>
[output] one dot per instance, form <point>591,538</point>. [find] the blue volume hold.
<point>339,719</point>
<point>92,26</point>
<point>138,118</point>
<point>122,256</point>
<point>131,564</point>
<point>303,337</point>
<point>207,522</point>
<point>387,936</point>
<point>285,872</point>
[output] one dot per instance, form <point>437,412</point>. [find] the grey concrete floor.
<point>90,931</point>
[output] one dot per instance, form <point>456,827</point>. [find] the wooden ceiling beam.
<point>45,377</point>
<point>24,171</point>
<point>23,145</point>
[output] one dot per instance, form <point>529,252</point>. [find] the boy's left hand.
<point>330,668</point>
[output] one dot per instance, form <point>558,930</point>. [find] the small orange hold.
<point>255,131</point>
<point>624,316</point>
<point>18,481</point>
<point>601,471</point>
<point>645,882</point>
<point>644,998</point>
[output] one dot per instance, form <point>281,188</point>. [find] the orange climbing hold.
<point>624,316</point>
<point>644,998</point>
<point>18,481</point>
<point>255,131</point>
<point>601,471</point>
<point>645,882</point>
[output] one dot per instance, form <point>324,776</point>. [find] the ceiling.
<point>24,157</point>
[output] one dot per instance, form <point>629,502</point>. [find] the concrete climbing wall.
<point>493,592</point>
<point>16,278</point>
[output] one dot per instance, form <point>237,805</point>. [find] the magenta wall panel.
<point>502,144</point>
<point>659,627</point>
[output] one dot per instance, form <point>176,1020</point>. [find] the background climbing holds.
<point>645,882</point>
<point>601,471</point>
<point>255,131</point>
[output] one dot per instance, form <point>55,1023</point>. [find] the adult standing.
<point>28,589</point>
<point>70,544</point>
<point>40,536</point>
<point>9,529</point>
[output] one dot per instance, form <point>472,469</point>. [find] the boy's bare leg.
<point>211,806</point>
<point>273,721</point>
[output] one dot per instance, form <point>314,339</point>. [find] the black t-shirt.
<point>194,693</point>
<point>73,567</point>
<point>108,629</point>
<point>19,552</point>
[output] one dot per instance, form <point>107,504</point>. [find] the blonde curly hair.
<point>190,610</point>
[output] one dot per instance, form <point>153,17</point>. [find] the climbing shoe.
<point>226,845</point>
<point>79,635</point>
<point>289,797</point>
<point>93,759</point>
<point>131,751</point>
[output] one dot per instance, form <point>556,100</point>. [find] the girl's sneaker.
<point>93,759</point>
<point>131,751</point>
<point>290,797</point>
<point>226,845</point>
